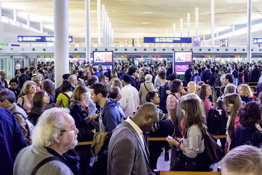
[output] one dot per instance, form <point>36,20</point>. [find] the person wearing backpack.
<point>7,100</point>
<point>63,99</point>
<point>217,121</point>
<point>145,87</point>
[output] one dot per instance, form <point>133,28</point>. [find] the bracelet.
<point>179,145</point>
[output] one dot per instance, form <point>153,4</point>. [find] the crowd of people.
<point>41,125</point>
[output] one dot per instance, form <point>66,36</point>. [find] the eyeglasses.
<point>72,128</point>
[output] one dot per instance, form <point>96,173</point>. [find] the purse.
<point>176,157</point>
<point>213,153</point>
<point>98,143</point>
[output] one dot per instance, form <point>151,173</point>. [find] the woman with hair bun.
<point>249,131</point>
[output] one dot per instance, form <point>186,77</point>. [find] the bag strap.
<point>46,160</point>
<point>174,95</point>
<point>19,113</point>
<point>66,96</point>
<point>23,101</point>
<point>146,87</point>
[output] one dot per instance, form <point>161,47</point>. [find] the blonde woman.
<point>245,93</point>
<point>26,96</point>
<point>38,80</point>
<point>145,87</point>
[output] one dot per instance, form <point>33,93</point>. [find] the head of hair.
<point>247,90</point>
<point>99,88</point>
<point>25,88</point>
<point>117,82</point>
<point>113,74</point>
<point>132,70</point>
<point>102,78</point>
<point>162,75</point>
<point>49,127</point>
<point>150,95</point>
<point>8,95</point>
<point>148,78</point>
<point>174,86</point>
<point>222,89</point>
<point>229,77</point>
<point>114,91</point>
<point>91,80</point>
<point>78,92</point>
<point>234,99</point>
<point>243,160</point>
<point>72,77</point>
<point>66,86</point>
<point>48,86</point>
<point>95,69</point>
<point>22,70</point>
<point>202,93</point>
<point>13,81</point>
<point>38,99</point>
<point>66,76</point>
<point>193,114</point>
<point>36,79</point>
<point>230,88</point>
<point>249,114</point>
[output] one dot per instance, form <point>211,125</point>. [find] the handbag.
<point>176,157</point>
<point>213,153</point>
<point>98,143</point>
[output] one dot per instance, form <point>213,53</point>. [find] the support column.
<point>61,40</point>
<point>106,28</point>
<point>41,27</point>
<point>174,32</point>
<point>1,25</point>
<point>15,16</point>
<point>249,25</point>
<point>28,21</point>
<point>104,24</point>
<point>166,36</point>
<point>212,22</point>
<point>88,37</point>
<point>188,26</point>
<point>181,29</point>
<point>112,38</point>
<point>109,34</point>
<point>233,29</point>
<point>196,13</point>
<point>137,40</point>
<point>107,31</point>
<point>99,22</point>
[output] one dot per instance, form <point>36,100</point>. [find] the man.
<point>100,69</point>
<point>73,80</point>
<point>7,100</point>
<point>103,79</point>
<point>54,134</point>
<point>130,97</point>
<point>191,87</point>
<point>3,83</point>
<point>164,87</point>
<point>229,79</point>
<point>95,72</point>
<point>127,151</point>
<point>110,116</point>
<point>242,160</point>
<point>22,78</point>
<point>131,73</point>
<point>115,93</point>
<point>188,73</point>
<point>14,87</point>
<point>206,75</point>
<point>11,141</point>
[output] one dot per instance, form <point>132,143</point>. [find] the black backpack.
<point>217,121</point>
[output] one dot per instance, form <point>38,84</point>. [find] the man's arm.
<point>122,158</point>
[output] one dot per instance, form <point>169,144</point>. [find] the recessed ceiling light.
<point>145,23</point>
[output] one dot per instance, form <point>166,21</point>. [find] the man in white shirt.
<point>130,97</point>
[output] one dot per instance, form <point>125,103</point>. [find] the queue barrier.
<point>188,173</point>
<point>155,139</point>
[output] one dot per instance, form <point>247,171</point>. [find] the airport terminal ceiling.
<point>140,17</point>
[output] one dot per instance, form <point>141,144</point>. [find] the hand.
<point>171,141</point>
<point>94,116</point>
<point>94,130</point>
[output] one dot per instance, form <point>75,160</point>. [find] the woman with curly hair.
<point>245,93</point>
<point>249,132</point>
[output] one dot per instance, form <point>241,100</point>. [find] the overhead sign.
<point>196,42</point>
<point>224,42</point>
<point>257,40</point>
<point>39,38</point>
<point>167,40</point>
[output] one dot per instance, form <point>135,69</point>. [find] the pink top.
<point>208,106</point>
<point>38,88</point>
<point>236,123</point>
<point>172,102</point>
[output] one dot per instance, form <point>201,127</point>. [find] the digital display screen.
<point>181,69</point>
<point>105,67</point>
<point>103,57</point>
<point>183,56</point>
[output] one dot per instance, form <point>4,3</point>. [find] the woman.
<point>38,81</point>
<point>193,140</point>
<point>26,96</point>
<point>116,82</point>
<point>145,87</point>
<point>40,100</point>
<point>233,103</point>
<point>49,87</point>
<point>249,131</point>
<point>172,100</point>
<point>63,99</point>
<point>204,94</point>
<point>245,93</point>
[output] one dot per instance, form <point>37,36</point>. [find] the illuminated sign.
<point>39,38</point>
<point>167,40</point>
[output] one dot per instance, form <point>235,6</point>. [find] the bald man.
<point>127,151</point>
<point>191,87</point>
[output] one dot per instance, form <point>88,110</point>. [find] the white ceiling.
<point>141,17</point>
